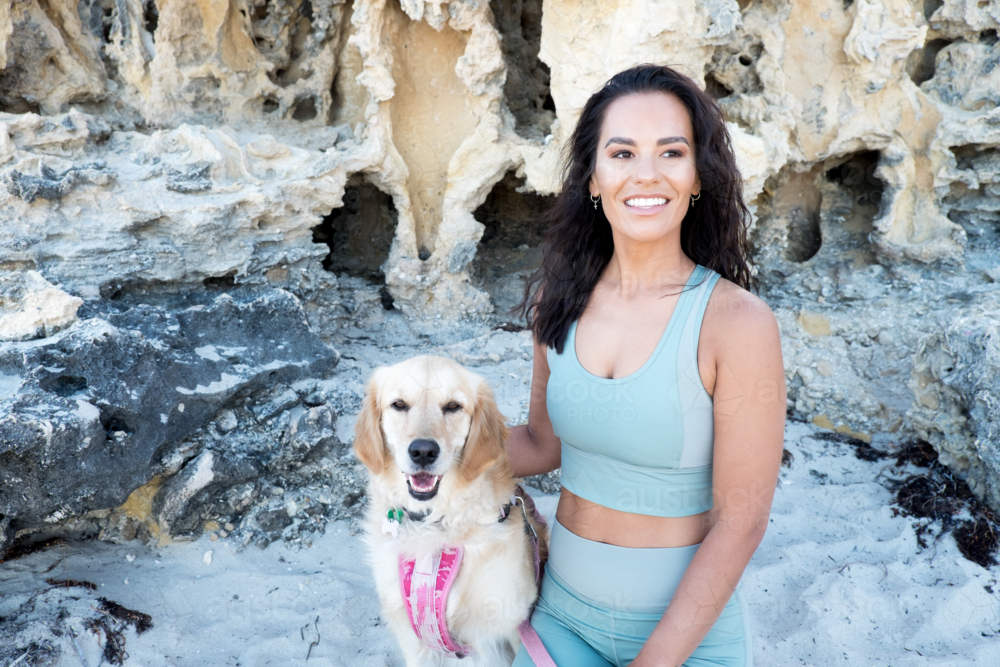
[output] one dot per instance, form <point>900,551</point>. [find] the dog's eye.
<point>400,405</point>
<point>451,406</point>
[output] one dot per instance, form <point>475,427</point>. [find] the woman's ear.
<point>487,441</point>
<point>369,443</point>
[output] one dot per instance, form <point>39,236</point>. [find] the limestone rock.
<point>419,97</point>
<point>48,59</point>
<point>174,207</point>
<point>956,19</point>
<point>150,149</point>
<point>882,35</point>
<point>32,307</point>
<point>801,84</point>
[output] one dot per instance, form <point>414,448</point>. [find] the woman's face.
<point>645,169</point>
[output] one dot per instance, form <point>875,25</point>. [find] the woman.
<point>658,387</point>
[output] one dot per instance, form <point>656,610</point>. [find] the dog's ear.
<point>369,444</point>
<point>487,441</point>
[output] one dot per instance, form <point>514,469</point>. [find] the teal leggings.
<point>599,602</point>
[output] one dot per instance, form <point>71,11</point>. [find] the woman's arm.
<point>749,409</point>
<point>533,448</point>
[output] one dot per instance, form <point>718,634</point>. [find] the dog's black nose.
<point>424,452</point>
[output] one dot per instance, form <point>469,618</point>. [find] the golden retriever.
<point>433,440</point>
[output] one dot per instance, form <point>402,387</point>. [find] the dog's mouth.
<point>423,486</point>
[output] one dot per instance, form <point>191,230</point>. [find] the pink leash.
<point>533,645</point>
<point>532,642</point>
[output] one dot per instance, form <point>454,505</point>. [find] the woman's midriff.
<point>624,529</point>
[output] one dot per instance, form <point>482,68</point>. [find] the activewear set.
<point>642,444</point>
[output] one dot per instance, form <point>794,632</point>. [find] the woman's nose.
<point>646,169</point>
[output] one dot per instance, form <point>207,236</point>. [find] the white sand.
<point>837,580</point>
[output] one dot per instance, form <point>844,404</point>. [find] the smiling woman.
<point>647,177</point>
<point>658,386</point>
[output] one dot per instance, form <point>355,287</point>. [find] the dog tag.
<point>390,525</point>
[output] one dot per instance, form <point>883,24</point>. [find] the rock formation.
<point>157,150</point>
<point>98,410</point>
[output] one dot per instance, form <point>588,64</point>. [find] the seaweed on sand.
<point>938,495</point>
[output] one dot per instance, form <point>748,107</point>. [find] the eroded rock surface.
<point>435,102</point>
<point>96,411</point>
<point>380,158</point>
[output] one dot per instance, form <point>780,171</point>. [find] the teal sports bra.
<point>641,443</point>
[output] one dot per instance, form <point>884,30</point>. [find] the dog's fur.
<point>495,586</point>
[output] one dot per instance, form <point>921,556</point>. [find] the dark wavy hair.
<point>578,243</point>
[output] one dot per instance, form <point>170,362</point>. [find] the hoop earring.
<point>595,200</point>
<point>695,198</point>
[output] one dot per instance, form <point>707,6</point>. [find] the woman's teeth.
<point>658,201</point>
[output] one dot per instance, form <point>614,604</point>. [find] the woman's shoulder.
<point>733,313</point>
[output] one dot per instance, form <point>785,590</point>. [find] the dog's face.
<point>426,418</point>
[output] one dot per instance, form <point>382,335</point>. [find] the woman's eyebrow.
<point>659,142</point>
<point>620,140</point>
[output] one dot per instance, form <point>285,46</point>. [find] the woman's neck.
<point>648,268</point>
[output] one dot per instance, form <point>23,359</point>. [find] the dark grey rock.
<point>29,188</point>
<point>272,401</point>
<point>226,477</point>
<point>94,412</point>
<point>314,398</point>
<point>274,521</point>
<point>51,185</point>
<point>208,486</point>
<point>242,476</point>
<point>307,430</point>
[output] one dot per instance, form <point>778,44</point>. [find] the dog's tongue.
<point>422,481</point>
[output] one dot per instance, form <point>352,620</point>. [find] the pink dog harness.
<point>426,583</point>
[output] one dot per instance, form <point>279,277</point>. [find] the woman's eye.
<point>622,154</point>
<point>451,406</point>
<point>400,405</point>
